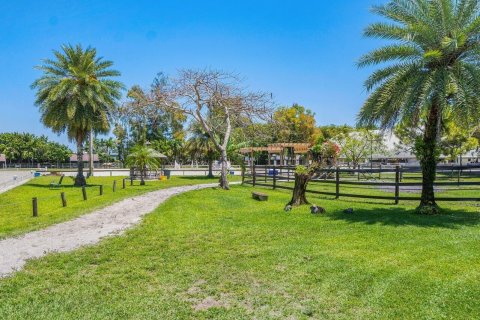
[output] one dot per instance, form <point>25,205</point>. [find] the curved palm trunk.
<point>223,176</point>
<point>80,178</point>
<point>299,191</point>
<point>429,157</point>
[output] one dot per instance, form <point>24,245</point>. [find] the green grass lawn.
<point>16,205</point>
<point>215,254</point>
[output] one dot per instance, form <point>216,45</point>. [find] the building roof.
<point>86,157</point>
<point>3,158</point>
<point>298,148</point>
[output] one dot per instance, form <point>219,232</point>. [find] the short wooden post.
<point>35,207</point>
<point>84,193</point>
<point>114,185</point>
<point>397,184</point>
<point>64,199</point>
<point>101,190</point>
<point>337,183</point>
<point>380,172</point>
<point>124,185</point>
<point>243,174</point>
<point>266,171</point>
<point>131,180</point>
<point>274,178</point>
<point>288,173</point>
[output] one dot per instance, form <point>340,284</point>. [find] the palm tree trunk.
<point>429,159</point>
<point>223,176</point>
<point>210,164</point>
<point>90,162</point>
<point>80,178</point>
<point>142,177</point>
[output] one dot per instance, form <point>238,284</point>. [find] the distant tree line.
<point>32,149</point>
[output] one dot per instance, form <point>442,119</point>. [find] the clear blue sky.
<point>301,51</point>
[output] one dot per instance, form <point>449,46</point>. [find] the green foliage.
<point>295,124</point>
<point>434,53</point>
<point>76,94</point>
<point>26,147</point>
<point>143,157</point>
<point>359,145</point>
<point>301,170</point>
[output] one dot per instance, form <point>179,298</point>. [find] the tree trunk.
<point>90,160</point>
<point>223,176</point>
<point>428,161</point>
<point>210,166</point>
<point>142,177</point>
<point>299,191</point>
<point>80,178</point>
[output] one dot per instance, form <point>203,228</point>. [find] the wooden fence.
<point>395,178</point>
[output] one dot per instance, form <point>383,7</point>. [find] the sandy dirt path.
<point>85,230</point>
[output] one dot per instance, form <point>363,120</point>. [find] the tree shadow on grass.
<point>450,219</point>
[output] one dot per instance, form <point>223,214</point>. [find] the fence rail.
<point>389,180</point>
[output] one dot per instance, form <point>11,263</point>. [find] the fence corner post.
<point>397,184</point>
<point>274,178</point>
<point>337,182</point>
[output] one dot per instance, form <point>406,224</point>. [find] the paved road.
<point>9,179</point>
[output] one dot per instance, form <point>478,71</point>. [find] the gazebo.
<point>281,154</point>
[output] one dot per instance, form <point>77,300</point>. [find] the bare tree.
<point>218,101</point>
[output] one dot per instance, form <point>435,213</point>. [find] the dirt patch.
<point>209,302</point>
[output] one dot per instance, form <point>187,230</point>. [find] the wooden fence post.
<point>35,206</point>
<point>397,184</point>
<point>274,178</point>
<point>131,180</point>
<point>254,176</point>
<point>288,174</point>
<point>114,185</point>
<point>64,199</point>
<point>124,185</point>
<point>84,193</point>
<point>243,174</point>
<point>101,189</point>
<point>337,183</point>
<point>266,174</point>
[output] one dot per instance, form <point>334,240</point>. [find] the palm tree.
<point>200,144</point>
<point>143,158</point>
<point>430,68</point>
<point>76,95</point>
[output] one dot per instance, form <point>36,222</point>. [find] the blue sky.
<point>301,51</point>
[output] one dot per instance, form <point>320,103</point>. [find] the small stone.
<point>288,208</point>
<point>348,211</point>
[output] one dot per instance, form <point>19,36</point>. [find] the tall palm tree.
<point>76,94</point>
<point>143,158</point>
<point>430,67</point>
